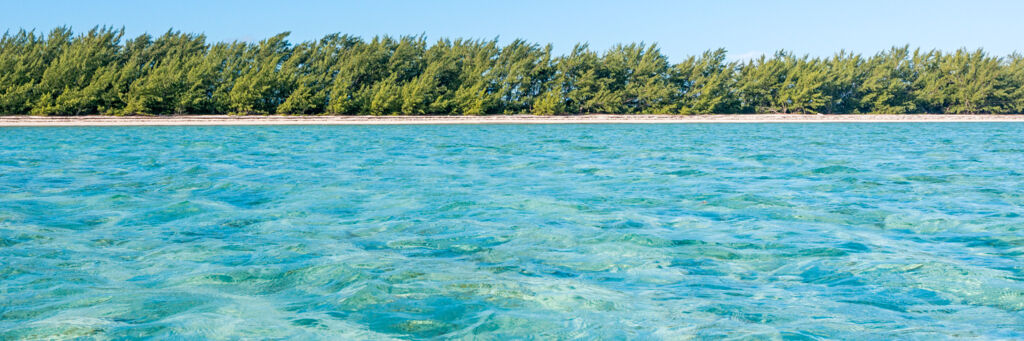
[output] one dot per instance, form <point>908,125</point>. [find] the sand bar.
<point>38,121</point>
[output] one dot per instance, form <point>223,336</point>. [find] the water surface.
<point>669,231</point>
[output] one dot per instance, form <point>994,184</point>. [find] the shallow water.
<point>669,231</point>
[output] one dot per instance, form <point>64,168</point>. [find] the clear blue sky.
<point>681,28</point>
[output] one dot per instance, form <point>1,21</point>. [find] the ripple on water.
<point>753,231</point>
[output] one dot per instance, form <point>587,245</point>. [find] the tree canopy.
<point>102,72</point>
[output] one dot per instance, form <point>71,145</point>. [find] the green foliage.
<point>1013,79</point>
<point>97,72</point>
<point>706,84</point>
<point>784,84</point>
<point>550,102</point>
<point>78,79</point>
<point>582,80</point>
<point>845,73</point>
<point>387,98</point>
<point>262,85</point>
<point>962,83</point>
<point>889,84</point>
<point>640,74</point>
<point>158,77</point>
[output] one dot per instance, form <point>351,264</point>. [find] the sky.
<point>746,28</point>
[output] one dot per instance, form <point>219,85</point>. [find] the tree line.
<point>101,72</point>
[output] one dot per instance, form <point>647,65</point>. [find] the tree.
<point>888,87</point>
<point>844,76</point>
<point>706,84</point>
<point>963,82</point>
<point>387,98</point>
<point>761,83</point>
<point>75,81</point>
<point>61,73</point>
<point>582,80</point>
<point>550,102</point>
<point>1014,84</point>
<point>261,87</point>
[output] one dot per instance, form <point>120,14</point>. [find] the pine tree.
<point>23,57</point>
<point>762,81</point>
<point>69,85</point>
<point>387,98</point>
<point>261,87</point>
<point>477,90</point>
<point>888,87</point>
<point>804,87</point>
<point>1013,76</point>
<point>845,73</point>
<point>61,73</point>
<point>550,102</point>
<point>963,82</point>
<point>581,79</point>
<point>706,84</point>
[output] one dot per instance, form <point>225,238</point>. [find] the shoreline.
<point>214,120</point>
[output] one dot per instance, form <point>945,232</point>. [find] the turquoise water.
<point>794,231</point>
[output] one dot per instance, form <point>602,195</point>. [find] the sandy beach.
<point>40,121</point>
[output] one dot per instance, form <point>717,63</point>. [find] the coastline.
<point>214,120</point>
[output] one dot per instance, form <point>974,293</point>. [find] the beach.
<point>213,120</point>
